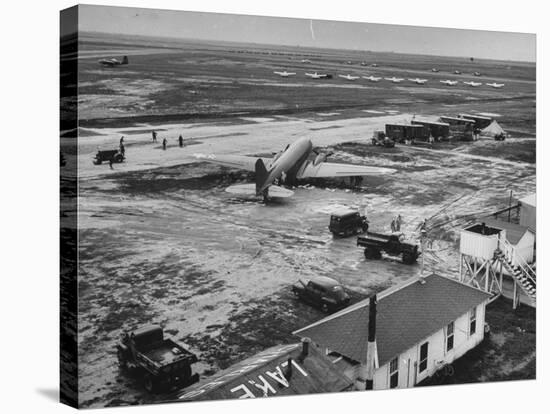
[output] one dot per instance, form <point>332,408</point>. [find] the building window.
<point>423,357</point>
<point>450,336</point>
<point>473,314</point>
<point>394,373</point>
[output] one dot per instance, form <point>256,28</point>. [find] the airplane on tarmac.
<point>449,82</point>
<point>372,78</point>
<point>419,81</point>
<point>435,70</point>
<point>495,85</point>
<point>394,79</point>
<point>457,72</point>
<point>113,62</point>
<point>472,84</point>
<point>316,75</point>
<point>286,167</point>
<point>284,73</point>
<point>349,77</point>
<point>477,74</point>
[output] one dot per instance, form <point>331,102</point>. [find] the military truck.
<point>347,222</point>
<point>107,155</point>
<point>380,138</point>
<point>391,244</point>
<point>162,363</point>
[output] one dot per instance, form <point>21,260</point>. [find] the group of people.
<point>395,224</point>
<point>165,141</point>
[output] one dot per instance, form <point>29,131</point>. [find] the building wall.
<point>477,245</point>
<point>526,247</point>
<point>437,355</point>
<point>528,216</point>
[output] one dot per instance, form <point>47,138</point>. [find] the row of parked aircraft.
<point>393,79</point>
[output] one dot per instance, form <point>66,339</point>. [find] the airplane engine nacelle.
<point>321,157</point>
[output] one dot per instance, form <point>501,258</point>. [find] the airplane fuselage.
<point>289,163</point>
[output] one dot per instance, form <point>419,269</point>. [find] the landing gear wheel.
<point>324,308</point>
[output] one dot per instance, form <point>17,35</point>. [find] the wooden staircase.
<point>522,273</point>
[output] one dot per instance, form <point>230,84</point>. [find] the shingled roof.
<point>405,316</point>
<point>263,375</point>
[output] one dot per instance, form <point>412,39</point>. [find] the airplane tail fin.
<point>261,176</point>
<point>125,60</point>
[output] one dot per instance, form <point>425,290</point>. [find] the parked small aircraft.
<point>316,75</point>
<point>372,78</point>
<point>306,61</point>
<point>472,83</point>
<point>287,167</point>
<point>477,74</point>
<point>449,82</point>
<point>457,72</point>
<point>284,73</point>
<point>495,85</point>
<point>435,70</point>
<point>394,79</point>
<point>349,77</point>
<point>419,81</point>
<point>114,62</point>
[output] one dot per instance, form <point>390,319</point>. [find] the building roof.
<point>530,200</point>
<point>263,375</point>
<point>514,232</point>
<point>405,316</point>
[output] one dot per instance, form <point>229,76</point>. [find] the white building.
<point>528,211</point>
<point>420,327</point>
<point>521,237</point>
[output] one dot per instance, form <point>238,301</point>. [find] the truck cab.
<point>347,222</point>
<point>380,138</point>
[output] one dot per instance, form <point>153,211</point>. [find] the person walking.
<point>154,134</point>
<point>122,140</point>
<point>398,222</point>
<point>180,141</point>
<point>122,149</point>
<point>164,142</point>
<point>111,163</point>
<point>392,225</point>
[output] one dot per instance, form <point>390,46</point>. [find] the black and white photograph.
<point>256,206</point>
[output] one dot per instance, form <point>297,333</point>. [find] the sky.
<point>309,33</point>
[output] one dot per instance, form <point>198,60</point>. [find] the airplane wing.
<point>240,162</point>
<point>329,169</point>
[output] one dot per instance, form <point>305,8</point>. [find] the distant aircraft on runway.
<point>477,74</point>
<point>372,78</point>
<point>419,81</point>
<point>449,82</point>
<point>316,75</point>
<point>457,72</point>
<point>284,74</point>
<point>394,79</point>
<point>287,167</point>
<point>495,85</point>
<point>114,62</point>
<point>349,77</point>
<point>435,70</point>
<point>306,61</point>
<point>472,84</point>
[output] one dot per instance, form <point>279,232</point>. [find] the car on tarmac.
<point>323,292</point>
